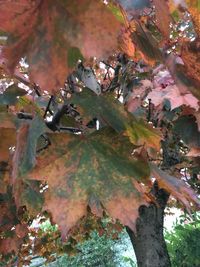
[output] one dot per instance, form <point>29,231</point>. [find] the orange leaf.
<point>54,34</point>
<point>175,187</point>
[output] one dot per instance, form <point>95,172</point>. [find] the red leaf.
<point>55,34</point>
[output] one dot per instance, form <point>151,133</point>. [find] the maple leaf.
<point>54,34</point>
<point>194,152</point>
<point>134,7</point>
<point>138,95</point>
<point>26,193</point>
<point>178,72</point>
<point>197,116</point>
<point>9,96</point>
<point>163,18</point>
<point>146,44</point>
<point>27,138</point>
<point>172,93</point>
<point>126,44</point>
<point>175,186</point>
<point>112,112</point>
<point>10,245</point>
<point>7,135</point>
<point>4,176</point>
<point>190,53</point>
<point>194,9</point>
<point>96,170</point>
<point>186,127</point>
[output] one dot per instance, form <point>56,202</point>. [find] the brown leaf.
<point>66,213</point>
<point>175,187</point>
<point>9,245</point>
<point>126,209</point>
<point>7,138</point>
<point>179,73</point>
<point>21,230</point>
<point>197,116</point>
<point>194,9</point>
<point>4,176</point>
<point>126,44</point>
<point>194,152</point>
<point>190,55</point>
<point>55,34</point>
<point>163,18</point>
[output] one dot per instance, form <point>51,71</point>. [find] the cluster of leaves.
<point>98,249</point>
<point>67,143</point>
<point>182,241</point>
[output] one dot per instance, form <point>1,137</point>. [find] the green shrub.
<point>183,242</point>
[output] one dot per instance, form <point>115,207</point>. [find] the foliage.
<point>101,247</point>
<point>182,241</point>
<point>106,95</point>
<point>96,251</point>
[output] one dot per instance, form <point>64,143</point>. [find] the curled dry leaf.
<point>55,34</point>
<point>175,187</point>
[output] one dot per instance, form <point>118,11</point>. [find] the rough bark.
<point>148,240</point>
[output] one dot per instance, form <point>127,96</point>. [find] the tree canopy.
<point>98,99</point>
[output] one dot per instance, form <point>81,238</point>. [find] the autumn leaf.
<point>194,9</point>
<point>179,73</point>
<point>175,186</point>
<point>11,94</point>
<point>53,35</point>
<point>28,194</point>
<point>96,170</point>
<point>27,137</point>
<point>7,135</point>
<point>172,93</point>
<point>134,7</point>
<point>146,44</point>
<point>112,113</point>
<point>194,152</point>
<point>4,176</point>
<point>9,245</point>
<point>190,54</point>
<point>163,18</point>
<point>126,44</point>
<point>185,127</point>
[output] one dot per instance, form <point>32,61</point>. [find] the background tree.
<point>182,242</point>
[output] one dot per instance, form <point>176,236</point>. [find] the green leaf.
<point>74,54</point>
<point>24,157</point>
<point>112,113</point>
<point>186,127</point>
<point>9,97</point>
<point>31,197</point>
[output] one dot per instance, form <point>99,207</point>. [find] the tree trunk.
<point>148,240</point>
